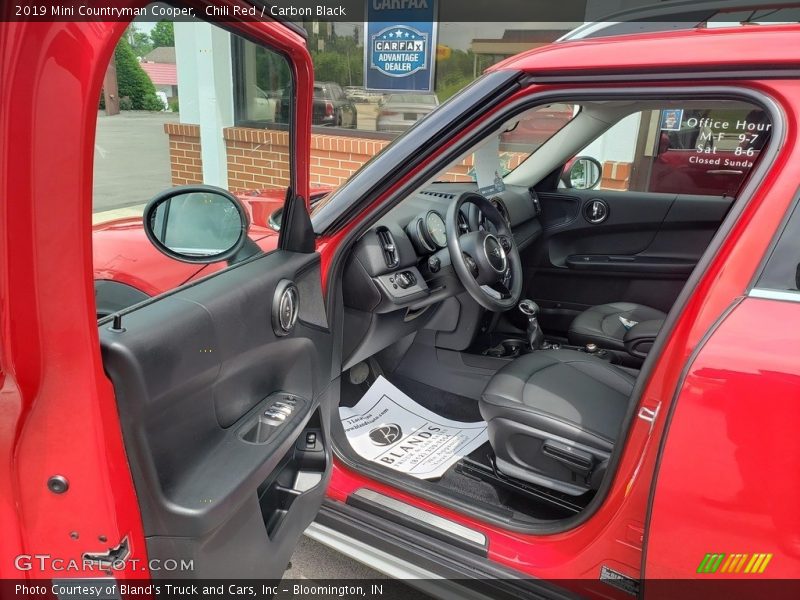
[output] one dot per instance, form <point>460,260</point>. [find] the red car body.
<point>709,463</point>
<point>121,251</point>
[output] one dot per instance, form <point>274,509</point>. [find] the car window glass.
<point>369,112</point>
<point>782,271</point>
<point>700,148</point>
<point>168,120</point>
<point>518,141</point>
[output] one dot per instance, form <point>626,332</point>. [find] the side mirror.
<point>196,224</point>
<point>582,173</point>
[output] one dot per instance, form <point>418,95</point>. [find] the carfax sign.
<point>400,45</point>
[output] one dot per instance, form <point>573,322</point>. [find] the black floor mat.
<point>458,408</point>
<point>444,403</point>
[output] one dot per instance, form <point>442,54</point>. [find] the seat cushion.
<point>601,324</point>
<point>566,393</point>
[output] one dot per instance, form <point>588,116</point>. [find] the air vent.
<point>501,208</point>
<point>388,246</point>
<point>444,195</point>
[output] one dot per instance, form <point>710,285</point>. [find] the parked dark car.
<point>332,107</point>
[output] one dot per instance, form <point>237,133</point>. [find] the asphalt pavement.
<point>312,560</point>
<point>321,565</point>
<point>131,158</point>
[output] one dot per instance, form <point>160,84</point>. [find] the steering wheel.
<point>488,265</point>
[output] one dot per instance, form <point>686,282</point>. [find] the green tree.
<point>453,73</point>
<point>139,40</point>
<point>132,81</point>
<point>163,34</point>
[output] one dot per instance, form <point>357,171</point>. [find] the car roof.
<point>674,15</point>
<point>739,48</point>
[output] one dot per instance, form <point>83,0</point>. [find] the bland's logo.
<point>386,434</point>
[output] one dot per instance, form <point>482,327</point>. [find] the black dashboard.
<point>402,262</point>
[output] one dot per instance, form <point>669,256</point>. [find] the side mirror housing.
<point>582,173</point>
<point>197,224</point>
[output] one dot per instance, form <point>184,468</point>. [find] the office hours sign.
<point>400,45</point>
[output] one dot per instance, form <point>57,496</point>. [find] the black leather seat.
<point>554,416</point>
<point>603,324</point>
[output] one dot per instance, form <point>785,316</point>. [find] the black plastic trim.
<point>431,554</point>
<point>794,207</point>
<point>630,264</point>
<point>728,73</point>
<point>112,296</point>
<point>283,21</point>
<point>296,234</point>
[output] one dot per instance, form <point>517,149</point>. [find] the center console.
<point>511,347</point>
<point>534,339</point>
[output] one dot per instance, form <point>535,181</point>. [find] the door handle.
<point>724,172</point>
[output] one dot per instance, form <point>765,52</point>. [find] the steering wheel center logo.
<point>495,253</point>
<point>386,435</point>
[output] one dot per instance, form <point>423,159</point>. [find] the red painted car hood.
<point>122,252</point>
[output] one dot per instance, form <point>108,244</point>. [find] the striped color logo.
<point>734,563</point>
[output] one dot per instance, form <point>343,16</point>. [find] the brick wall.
<point>259,158</point>
<point>335,158</point>
<point>616,175</point>
<point>184,153</point>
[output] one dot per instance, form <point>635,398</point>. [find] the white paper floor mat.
<point>389,428</point>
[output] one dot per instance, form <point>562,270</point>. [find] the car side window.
<point>697,148</point>
<point>211,108</point>
<point>782,270</point>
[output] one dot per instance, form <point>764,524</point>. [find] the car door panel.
<point>193,372</point>
<point>643,251</point>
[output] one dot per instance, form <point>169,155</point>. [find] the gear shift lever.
<point>530,309</point>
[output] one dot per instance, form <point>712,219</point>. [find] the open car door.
<point>225,414</point>
<point>222,385</point>
<point>211,454</point>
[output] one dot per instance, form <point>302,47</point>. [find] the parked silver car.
<point>398,112</point>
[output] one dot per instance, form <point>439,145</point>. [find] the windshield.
<point>501,154</point>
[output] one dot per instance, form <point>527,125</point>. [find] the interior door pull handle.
<point>724,172</point>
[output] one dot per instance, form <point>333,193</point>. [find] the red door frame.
<point>58,415</point>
